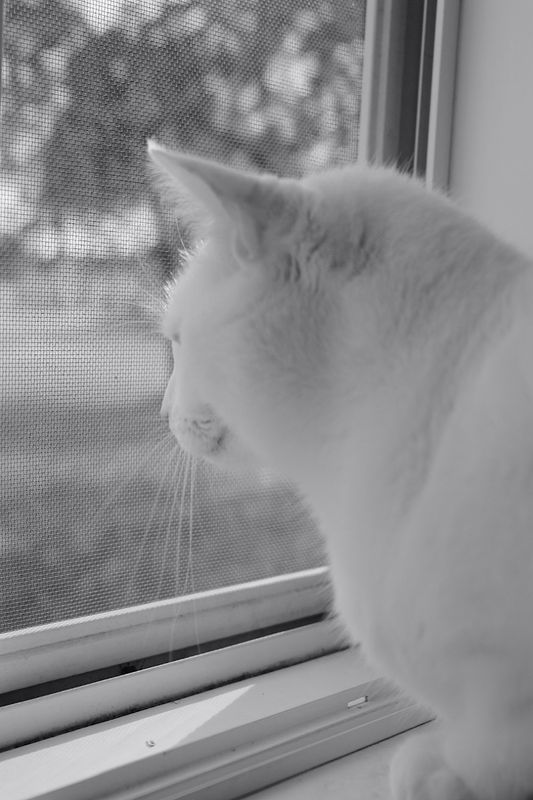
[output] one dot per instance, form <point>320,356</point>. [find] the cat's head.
<point>252,315</point>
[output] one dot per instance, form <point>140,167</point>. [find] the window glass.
<point>97,510</point>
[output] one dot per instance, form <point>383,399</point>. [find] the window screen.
<point>97,512</point>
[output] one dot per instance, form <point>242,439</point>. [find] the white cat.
<point>368,340</point>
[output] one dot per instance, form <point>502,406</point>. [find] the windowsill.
<point>362,774</point>
<point>50,677</point>
<point>219,744</point>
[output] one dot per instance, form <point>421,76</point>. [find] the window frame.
<point>409,86</point>
<point>39,655</point>
<point>276,741</point>
<point>443,80</point>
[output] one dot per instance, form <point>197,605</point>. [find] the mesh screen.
<point>96,512</point>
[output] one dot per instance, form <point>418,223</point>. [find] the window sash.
<point>442,93</point>
<point>383,121</point>
<point>408,85</point>
<point>52,652</point>
<point>278,741</point>
<point>115,635</point>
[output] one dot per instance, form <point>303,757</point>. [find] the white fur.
<point>372,343</point>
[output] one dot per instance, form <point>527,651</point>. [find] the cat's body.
<point>372,343</point>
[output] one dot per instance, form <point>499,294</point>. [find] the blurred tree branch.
<point>268,85</point>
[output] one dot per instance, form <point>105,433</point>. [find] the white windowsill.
<point>51,714</point>
<point>220,744</point>
<point>364,774</point>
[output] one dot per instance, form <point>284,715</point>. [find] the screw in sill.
<point>358,702</point>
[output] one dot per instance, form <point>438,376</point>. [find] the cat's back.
<point>380,197</point>
<point>465,562</point>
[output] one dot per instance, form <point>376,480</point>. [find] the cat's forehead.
<point>193,290</point>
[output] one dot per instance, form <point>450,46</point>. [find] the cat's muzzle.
<point>201,438</point>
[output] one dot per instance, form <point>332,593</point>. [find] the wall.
<point>492,141</point>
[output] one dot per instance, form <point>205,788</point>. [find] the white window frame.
<point>171,736</point>
<point>38,655</point>
<point>382,111</point>
<point>443,79</point>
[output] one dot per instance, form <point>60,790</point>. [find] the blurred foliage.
<point>269,84</point>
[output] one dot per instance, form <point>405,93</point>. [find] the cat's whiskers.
<point>180,473</point>
<point>148,297</point>
<point>190,564</point>
<point>189,575</point>
<point>170,503</point>
<point>184,249</point>
<point>188,477</point>
<point>147,273</point>
<point>157,449</point>
<point>174,453</point>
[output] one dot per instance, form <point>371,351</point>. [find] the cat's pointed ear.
<point>184,198</point>
<point>260,211</point>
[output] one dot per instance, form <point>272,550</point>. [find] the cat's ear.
<point>260,211</point>
<point>184,200</point>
